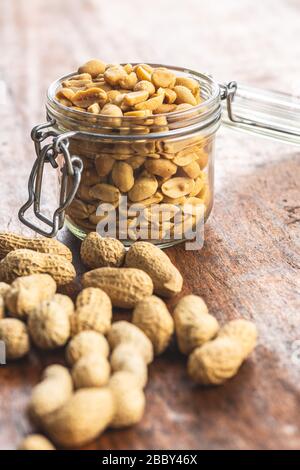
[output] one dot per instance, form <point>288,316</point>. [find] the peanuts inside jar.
<point>146,136</point>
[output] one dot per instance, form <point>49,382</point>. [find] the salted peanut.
<point>92,370</point>
<point>129,400</point>
<point>243,331</point>
<point>139,114</point>
<point>66,303</point>
<point>153,318</point>
<point>79,210</point>
<point>126,357</point>
<point>94,67</point>
<point>177,201</point>
<point>161,167</point>
<point>104,164</point>
<point>2,307</point>
<point>162,77</point>
<point>111,110</point>
<point>128,68</point>
<point>36,442</point>
<point>51,393</point>
<point>90,177</point>
<point>105,192</point>
<point>129,81</point>
<point>215,361</point>
<point>155,199</point>
<point>82,418</point>
<point>122,176</point>
<point>97,251</point>
<point>14,334</point>
<point>166,278</point>
<point>25,262</point>
<point>189,83</point>
<point>49,325</point>
<point>199,183</point>
<point>27,292</point>
<point>145,85</point>
<point>177,187</point>
<point>192,170</point>
<point>205,193</point>
<point>114,74</point>
<point>165,108</point>
<point>66,93</point>
<point>184,107</point>
<point>84,193</point>
<point>93,311</point>
<point>185,157</point>
<point>99,84</point>
<point>85,343</point>
<point>143,188</point>
<point>4,288</point>
<point>125,286</point>
<point>12,241</point>
<point>143,72</point>
<point>193,324</point>
<point>151,104</point>
<point>184,95</point>
<point>112,95</point>
<point>85,98</point>
<point>202,158</point>
<point>136,162</point>
<point>65,102</point>
<point>161,212</point>
<point>94,108</point>
<point>124,332</point>
<point>76,84</point>
<point>135,97</point>
<point>170,95</point>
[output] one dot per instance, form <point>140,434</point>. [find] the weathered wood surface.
<point>249,266</point>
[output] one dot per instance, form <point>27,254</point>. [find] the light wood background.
<point>249,266</point>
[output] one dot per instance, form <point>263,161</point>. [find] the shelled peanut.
<point>139,99</point>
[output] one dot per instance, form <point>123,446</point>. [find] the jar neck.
<point>204,117</point>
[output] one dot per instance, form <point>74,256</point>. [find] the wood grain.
<point>249,266</point>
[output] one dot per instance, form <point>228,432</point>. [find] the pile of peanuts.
<point>160,173</point>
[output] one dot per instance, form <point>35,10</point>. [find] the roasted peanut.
<point>177,187</point>
<point>82,418</point>
<point>194,326</point>
<point>215,361</point>
<point>51,393</point>
<point>105,192</point>
<point>162,77</point>
<point>49,325</point>
<point>98,252</point>
<point>92,370</point>
<point>152,103</point>
<point>184,95</point>
<point>145,85</point>
<point>123,332</point>
<point>161,167</point>
<point>127,357</point>
<point>166,278</point>
<point>153,318</point>
<point>143,188</point>
<point>85,98</point>
<point>125,286</point>
<point>93,311</point>
<point>135,97</point>
<point>104,164</point>
<point>11,241</point>
<point>25,262</point>
<point>27,292</point>
<point>35,442</point>
<point>243,331</point>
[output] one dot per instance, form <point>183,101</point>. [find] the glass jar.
<point>147,178</point>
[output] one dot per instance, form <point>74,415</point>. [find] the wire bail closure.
<point>72,169</point>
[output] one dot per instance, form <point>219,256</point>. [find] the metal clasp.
<point>72,168</point>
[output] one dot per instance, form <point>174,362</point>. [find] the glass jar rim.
<point>199,116</point>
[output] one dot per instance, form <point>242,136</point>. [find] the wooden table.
<point>249,266</point>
